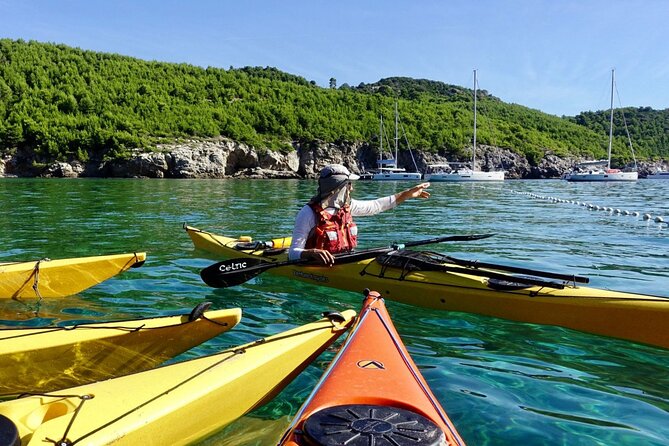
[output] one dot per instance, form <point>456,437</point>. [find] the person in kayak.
<point>325,226</point>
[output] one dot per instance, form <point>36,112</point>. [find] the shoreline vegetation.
<point>68,112</point>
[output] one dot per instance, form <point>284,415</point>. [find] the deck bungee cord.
<point>15,333</point>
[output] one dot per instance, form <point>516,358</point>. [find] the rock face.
<point>224,158</point>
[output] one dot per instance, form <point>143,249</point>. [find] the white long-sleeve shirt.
<point>306,221</point>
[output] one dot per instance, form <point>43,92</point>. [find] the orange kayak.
<point>372,393</point>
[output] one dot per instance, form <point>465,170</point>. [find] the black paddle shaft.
<point>475,264</point>
<point>237,271</point>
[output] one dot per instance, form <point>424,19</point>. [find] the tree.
<point>333,83</point>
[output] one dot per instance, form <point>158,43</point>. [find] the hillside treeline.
<point>64,103</point>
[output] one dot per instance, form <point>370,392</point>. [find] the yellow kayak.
<point>49,358</point>
<point>171,405</point>
<point>62,277</point>
<point>636,317</point>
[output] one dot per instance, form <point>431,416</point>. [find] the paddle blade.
<point>233,272</point>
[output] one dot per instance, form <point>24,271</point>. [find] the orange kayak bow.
<point>372,393</point>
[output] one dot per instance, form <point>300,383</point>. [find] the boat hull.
<point>658,176</point>
<point>175,404</point>
<point>592,177</point>
<point>635,317</point>
<point>369,379</point>
<point>37,360</point>
<point>62,277</point>
<point>465,176</point>
<point>397,176</point>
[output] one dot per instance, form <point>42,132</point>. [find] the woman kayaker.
<point>325,226</point>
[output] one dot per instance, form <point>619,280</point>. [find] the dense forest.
<point>64,103</point>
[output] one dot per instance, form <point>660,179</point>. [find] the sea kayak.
<point>372,393</point>
<point>446,286</point>
<point>62,277</point>
<point>174,404</point>
<point>49,358</point>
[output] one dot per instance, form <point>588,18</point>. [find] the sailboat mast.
<point>613,71</point>
<point>380,141</point>
<point>474,146</point>
<point>396,134</point>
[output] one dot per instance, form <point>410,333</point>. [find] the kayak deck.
<point>372,393</point>
<point>174,404</point>
<point>49,358</point>
<point>635,317</point>
<point>62,277</point>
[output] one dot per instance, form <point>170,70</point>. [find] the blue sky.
<point>551,55</point>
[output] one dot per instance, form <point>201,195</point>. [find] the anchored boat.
<point>601,170</point>
<point>388,169</point>
<point>465,171</point>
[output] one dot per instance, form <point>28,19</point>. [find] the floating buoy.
<point>591,206</point>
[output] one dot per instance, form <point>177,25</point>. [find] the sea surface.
<point>501,382</point>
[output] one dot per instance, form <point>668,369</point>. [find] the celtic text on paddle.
<point>232,267</point>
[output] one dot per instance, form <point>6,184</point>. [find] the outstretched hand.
<point>418,191</point>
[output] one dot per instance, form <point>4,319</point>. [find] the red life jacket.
<point>334,233</point>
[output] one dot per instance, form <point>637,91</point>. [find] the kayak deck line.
<point>177,403</point>
<point>15,333</point>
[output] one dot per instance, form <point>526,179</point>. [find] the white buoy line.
<point>595,207</point>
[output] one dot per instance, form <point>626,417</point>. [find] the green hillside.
<point>648,128</point>
<point>63,103</point>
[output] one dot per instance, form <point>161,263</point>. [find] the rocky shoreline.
<point>224,158</point>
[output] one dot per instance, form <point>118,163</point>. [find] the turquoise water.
<point>501,382</point>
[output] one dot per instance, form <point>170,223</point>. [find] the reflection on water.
<point>501,382</point>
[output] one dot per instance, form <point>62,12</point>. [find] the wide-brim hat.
<point>332,177</point>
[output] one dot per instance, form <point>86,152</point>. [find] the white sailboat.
<point>465,172</point>
<point>601,170</point>
<point>388,170</point>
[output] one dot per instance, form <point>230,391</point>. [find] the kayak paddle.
<point>514,269</point>
<point>501,280</point>
<point>237,271</point>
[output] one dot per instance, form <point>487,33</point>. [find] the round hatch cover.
<point>366,425</point>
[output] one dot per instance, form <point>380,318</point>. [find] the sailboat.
<point>601,170</point>
<point>388,169</point>
<point>466,171</point>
